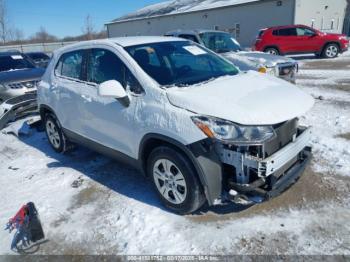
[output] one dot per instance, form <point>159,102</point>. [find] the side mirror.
<point>114,89</point>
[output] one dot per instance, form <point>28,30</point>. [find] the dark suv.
<point>298,39</point>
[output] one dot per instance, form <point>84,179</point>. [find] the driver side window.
<point>104,65</point>
<point>304,32</point>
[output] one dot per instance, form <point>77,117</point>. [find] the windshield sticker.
<point>194,50</point>
<point>16,57</point>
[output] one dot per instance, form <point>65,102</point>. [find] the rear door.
<point>286,39</point>
<point>66,88</point>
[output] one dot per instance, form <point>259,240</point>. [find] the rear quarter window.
<point>261,33</point>
<point>70,65</point>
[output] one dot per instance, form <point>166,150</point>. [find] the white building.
<point>242,18</point>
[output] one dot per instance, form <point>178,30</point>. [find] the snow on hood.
<point>244,63</point>
<point>248,99</point>
<point>266,59</point>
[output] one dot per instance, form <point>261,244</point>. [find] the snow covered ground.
<point>114,210</point>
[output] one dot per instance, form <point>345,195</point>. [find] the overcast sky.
<point>66,17</point>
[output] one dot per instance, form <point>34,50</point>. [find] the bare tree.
<point>42,36</point>
<point>16,35</point>
<point>3,21</point>
<point>88,29</point>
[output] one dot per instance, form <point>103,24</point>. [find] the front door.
<point>308,40</point>
<point>107,121</point>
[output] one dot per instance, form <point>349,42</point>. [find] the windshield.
<point>220,42</point>
<point>14,62</point>
<point>180,63</point>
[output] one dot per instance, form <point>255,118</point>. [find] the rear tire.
<point>272,51</point>
<point>54,133</point>
<point>331,51</point>
<point>175,180</point>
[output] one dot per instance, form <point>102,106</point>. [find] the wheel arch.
<point>153,140</point>
<point>44,109</point>
<point>206,165</point>
<point>328,43</point>
<point>273,46</point>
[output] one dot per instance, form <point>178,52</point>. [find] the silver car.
<point>227,46</point>
<point>18,75</point>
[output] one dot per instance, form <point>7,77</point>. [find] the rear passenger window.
<point>287,32</point>
<point>70,65</point>
<point>103,65</point>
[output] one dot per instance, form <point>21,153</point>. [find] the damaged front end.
<point>17,107</point>
<point>255,171</point>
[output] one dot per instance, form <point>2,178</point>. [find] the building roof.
<point>178,6</point>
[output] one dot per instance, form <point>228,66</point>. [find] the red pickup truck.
<point>299,39</point>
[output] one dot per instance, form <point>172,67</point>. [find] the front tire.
<point>175,180</point>
<point>331,51</point>
<point>54,133</point>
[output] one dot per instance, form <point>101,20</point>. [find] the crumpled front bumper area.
<point>264,178</point>
<point>288,71</point>
<point>273,186</point>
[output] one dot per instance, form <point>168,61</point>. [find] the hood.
<point>248,99</point>
<point>21,75</point>
<point>266,59</point>
<point>243,63</point>
<point>335,35</point>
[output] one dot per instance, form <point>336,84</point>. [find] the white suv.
<point>186,117</point>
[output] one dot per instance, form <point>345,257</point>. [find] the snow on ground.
<point>330,116</point>
<point>114,210</point>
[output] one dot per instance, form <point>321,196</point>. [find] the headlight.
<point>227,131</point>
<point>268,70</point>
<point>272,71</point>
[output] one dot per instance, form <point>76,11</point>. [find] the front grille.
<point>20,85</point>
<point>284,135</point>
<point>286,69</point>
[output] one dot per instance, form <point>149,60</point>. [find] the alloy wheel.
<point>272,51</point>
<point>53,134</point>
<point>332,51</point>
<point>170,181</point>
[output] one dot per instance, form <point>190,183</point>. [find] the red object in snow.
<point>19,217</point>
